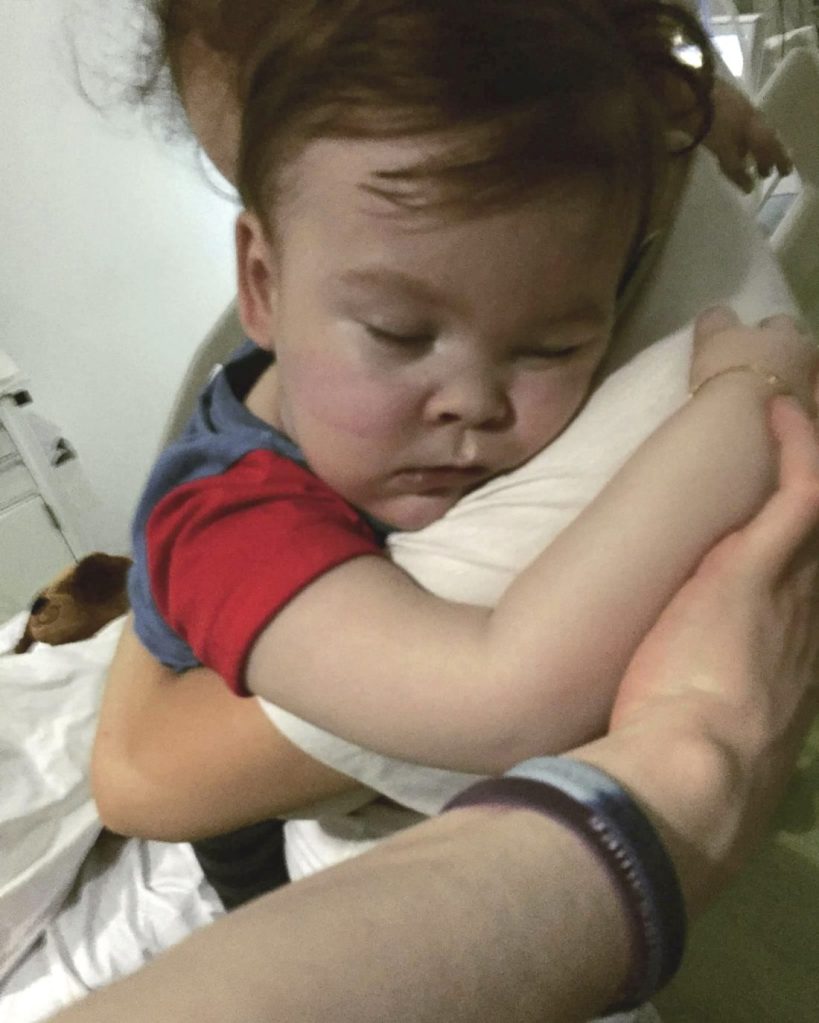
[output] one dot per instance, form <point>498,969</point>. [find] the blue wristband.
<point>598,809</point>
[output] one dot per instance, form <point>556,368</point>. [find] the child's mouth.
<point>441,477</point>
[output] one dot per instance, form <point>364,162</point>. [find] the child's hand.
<point>741,139</point>
<point>777,346</point>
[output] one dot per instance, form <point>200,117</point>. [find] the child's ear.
<point>256,272</point>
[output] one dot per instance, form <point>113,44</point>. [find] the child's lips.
<point>428,479</point>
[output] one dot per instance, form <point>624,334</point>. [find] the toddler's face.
<point>417,357</point>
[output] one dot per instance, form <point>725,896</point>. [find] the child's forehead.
<point>346,172</point>
<point>357,243</point>
<point>351,179</point>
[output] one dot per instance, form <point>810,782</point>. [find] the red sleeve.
<point>227,552</point>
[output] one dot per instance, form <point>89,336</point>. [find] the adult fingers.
<point>790,518</point>
<point>736,166</point>
<point>766,148</point>
<point>731,150</point>
<point>796,434</point>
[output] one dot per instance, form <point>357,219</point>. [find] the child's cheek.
<point>545,403</point>
<point>351,398</point>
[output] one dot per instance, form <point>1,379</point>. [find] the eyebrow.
<point>396,280</point>
<point>382,278</point>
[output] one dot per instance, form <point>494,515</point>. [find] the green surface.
<point>754,957</point>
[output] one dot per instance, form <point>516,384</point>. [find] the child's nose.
<point>475,399</point>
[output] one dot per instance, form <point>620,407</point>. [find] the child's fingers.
<point>709,325</point>
<point>722,317</point>
<point>803,375</point>
<point>714,321</point>
<point>785,324</point>
<point>777,346</point>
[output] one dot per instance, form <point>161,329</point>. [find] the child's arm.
<point>407,674</point>
<point>178,757</point>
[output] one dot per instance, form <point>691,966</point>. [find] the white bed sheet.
<point>77,908</point>
<point>131,900</point>
<point>50,698</point>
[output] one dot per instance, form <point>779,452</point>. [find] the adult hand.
<point>720,694</point>
<point>741,139</point>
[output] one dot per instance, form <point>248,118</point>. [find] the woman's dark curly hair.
<point>519,90</point>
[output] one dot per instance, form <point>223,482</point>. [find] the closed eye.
<point>549,353</point>
<point>409,338</point>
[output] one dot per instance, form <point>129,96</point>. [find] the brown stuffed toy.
<point>78,602</point>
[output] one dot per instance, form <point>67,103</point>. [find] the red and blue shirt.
<point>231,525</point>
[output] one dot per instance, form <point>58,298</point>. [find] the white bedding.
<point>48,822</point>
<point>134,898</point>
<point>131,900</point>
<point>71,919</point>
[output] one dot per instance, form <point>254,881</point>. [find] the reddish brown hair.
<point>522,90</point>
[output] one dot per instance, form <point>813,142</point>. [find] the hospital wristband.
<point>599,811</point>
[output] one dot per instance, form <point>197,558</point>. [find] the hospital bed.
<point>78,906</point>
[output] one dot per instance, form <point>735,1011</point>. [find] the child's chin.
<point>415,511</point>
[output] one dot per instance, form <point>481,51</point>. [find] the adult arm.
<point>179,757</point>
<point>487,914</point>
<point>740,137</point>
<point>471,689</point>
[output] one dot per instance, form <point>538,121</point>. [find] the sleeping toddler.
<point>441,206</point>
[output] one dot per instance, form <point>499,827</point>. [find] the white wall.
<point>115,258</point>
